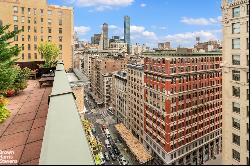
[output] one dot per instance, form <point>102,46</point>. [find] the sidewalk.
<point>217,161</point>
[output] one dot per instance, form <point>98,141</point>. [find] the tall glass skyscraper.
<point>105,30</point>
<point>127,31</point>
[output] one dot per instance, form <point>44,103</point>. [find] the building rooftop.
<point>177,54</point>
<point>136,66</point>
<point>23,131</point>
<point>121,74</point>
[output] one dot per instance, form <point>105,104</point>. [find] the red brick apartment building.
<point>183,106</point>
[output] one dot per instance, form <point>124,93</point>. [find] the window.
<point>60,21</point>
<point>60,30</point>
<point>41,10</point>
<point>34,20</point>
<point>236,59</point>
<point>22,19</point>
<point>41,20</point>
<point>236,43</point>
<point>236,155</point>
<point>35,30</point>
<point>29,11</point>
<point>247,9</point>
<point>22,46</point>
<point>16,38</point>
<point>29,47</point>
<point>35,47</point>
<point>247,60</point>
<point>236,91</point>
<point>236,12</point>
<point>34,11</point>
<point>49,12</point>
<point>60,47</point>
<point>49,30</point>
<point>15,28</point>
<point>49,21</point>
<point>236,75</point>
<point>49,38</point>
<point>28,28</point>
<point>22,37</point>
<point>22,8</point>
<point>23,28</point>
<point>15,9</point>
<point>247,40</point>
<point>41,38</point>
<point>29,38</point>
<point>236,107</point>
<point>29,19</point>
<point>35,55</point>
<point>236,123</point>
<point>29,56</point>
<point>22,56</point>
<point>15,18</point>
<point>247,26</point>
<point>247,77</point>
<point>60,38</point>
<point>247,94</point>
<point>236,139</point>
<point>35,38</point>
<point>41,29</point>
<point>236,28</point>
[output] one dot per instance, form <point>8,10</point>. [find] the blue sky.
<point>152,21</point>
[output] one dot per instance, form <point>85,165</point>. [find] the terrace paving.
<point>23,131</point>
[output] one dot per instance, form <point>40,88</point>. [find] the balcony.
<point>38,133</point>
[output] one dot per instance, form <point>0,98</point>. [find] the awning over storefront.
<point>133,144</point>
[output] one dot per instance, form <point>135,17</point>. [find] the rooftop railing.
<point>64,140</point>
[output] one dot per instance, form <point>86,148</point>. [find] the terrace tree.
<point>50,52</point>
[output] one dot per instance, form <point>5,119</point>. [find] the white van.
<point>107,143</point>
<point>107,133</point>
<point>102,158</point>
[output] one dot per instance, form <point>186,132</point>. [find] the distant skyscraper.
<point>105,30</point>
<point>127,30</point>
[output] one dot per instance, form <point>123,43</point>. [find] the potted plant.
<point>4,112</point>
<point>50,52</point>
<point>21,80</point>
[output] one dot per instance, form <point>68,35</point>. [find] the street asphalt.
<point>98,117</point>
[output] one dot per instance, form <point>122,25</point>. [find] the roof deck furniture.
<point>47,80</point>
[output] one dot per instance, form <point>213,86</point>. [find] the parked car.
<point>115,149</point>
<point>123,161</point>
<point>107,133</point>
<point>107,143</point>
<point>102,158</point>
<point>106,155</point>
<point>112,155</point>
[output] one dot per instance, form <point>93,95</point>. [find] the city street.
<point>98,117</point>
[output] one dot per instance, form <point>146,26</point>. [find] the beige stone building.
<point>101,76</point>
<point>119,97</point>
<point>135,106</point>
<point>235,135</point>
<point>40,22</point>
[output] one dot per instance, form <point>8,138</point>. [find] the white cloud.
<point>201,21</point>
<point>140,32</point>
<point>101,5</point>
<point>136,29</point>
<point>113,26</point>
<point>82,30</point>
<point>143,5</point>
<point>188,39</point>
